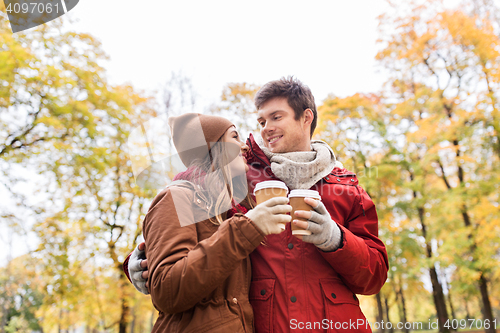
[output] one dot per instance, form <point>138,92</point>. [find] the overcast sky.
<point>329,45</point>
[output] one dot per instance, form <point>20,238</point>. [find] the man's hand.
<point>138,269</point>
<point>325,233</point>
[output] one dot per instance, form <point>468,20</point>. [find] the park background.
<point>407,96</point>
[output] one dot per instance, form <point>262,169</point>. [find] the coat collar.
<point>255,155</point>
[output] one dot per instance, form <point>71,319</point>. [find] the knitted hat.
<point>194,134</point>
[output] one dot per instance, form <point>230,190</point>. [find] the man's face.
<point>279,129</point>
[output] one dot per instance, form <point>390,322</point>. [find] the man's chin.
<point>276,150</point>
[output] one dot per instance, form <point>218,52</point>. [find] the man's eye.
<point>277,117</point>
<point>261,124</point>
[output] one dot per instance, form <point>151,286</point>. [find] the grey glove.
<point>135,270</point>
<point>325,233</point>
<point>268,214</point>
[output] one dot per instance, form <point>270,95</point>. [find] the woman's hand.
<point>268,214</point>
<point>138,269</point>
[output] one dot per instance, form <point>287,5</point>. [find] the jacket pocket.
<point>342,308</point>
<point>262,298</point>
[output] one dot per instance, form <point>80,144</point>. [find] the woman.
<point>198,237</point>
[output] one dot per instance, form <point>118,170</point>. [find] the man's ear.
<point>307,119</point>
<point>308,116</point>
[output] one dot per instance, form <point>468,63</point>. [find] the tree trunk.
<point>487,311</point>
<point>59,323</point>
<point>380,314</point>
<point>486,304</point>
<point>132,324</point>
<point>6,287</point>
<point>452,309</point>
<point>398,303</point>
<point>3,323</point>
<point>403,307</point>
<point>467,313</point>
<point>125,313</point>
<point>125,308</point>
<point>437,289</point>
<point>439,300</point>
<point>388,319</point>
<point>483,287</point>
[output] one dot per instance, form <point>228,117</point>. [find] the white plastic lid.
<point>270,184</point>
<point>304,194</point>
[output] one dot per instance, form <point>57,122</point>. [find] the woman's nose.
<point>244,147</point>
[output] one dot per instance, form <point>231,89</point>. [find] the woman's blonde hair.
<point>220,187</point>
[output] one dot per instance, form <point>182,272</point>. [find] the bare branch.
<point>443,175</point>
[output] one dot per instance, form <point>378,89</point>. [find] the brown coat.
<point>200,272</point>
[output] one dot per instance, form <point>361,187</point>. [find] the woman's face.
<point>239,165</point>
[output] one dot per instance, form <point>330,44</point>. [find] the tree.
<point>50,87</point>
<point>444,68</point>
<point>61,118</point>
<point>367,140</point>
<point>21,294</point>
<point>236,104</point>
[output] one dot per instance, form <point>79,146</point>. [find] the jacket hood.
<point>190,175</point>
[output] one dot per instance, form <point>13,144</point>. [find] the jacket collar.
<point>255,155</point>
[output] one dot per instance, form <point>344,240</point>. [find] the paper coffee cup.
<point>297,202</point>
<point>270,189</point>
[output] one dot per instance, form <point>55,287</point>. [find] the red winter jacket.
<point>298,288</point>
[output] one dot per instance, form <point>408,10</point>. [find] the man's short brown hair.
<point>298,95</point>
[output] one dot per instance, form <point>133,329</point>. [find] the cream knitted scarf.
<point>302,169</point>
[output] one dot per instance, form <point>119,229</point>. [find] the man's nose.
<point>267,128</point>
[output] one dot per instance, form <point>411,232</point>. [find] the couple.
<point>200,275</point>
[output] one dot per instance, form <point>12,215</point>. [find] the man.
<point>310,285</point>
